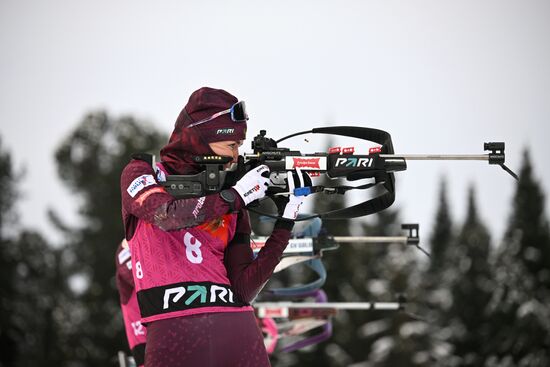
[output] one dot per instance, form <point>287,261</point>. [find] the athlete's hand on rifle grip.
<point>253,185</point>
<point>292,208</point>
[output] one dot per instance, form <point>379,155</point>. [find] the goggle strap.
<point>217,114</point>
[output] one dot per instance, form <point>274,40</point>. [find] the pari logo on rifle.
<point>354,162</point>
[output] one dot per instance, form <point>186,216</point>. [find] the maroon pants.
<point>207,340</point>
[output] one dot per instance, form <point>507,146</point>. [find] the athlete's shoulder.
<point>137,167</point>
<point>136,176</point>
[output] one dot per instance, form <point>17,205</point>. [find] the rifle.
<point>379,165</point>
<point>309,250</point>
<point>294,320</point>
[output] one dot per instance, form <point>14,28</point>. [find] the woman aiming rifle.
<point>192,264</point>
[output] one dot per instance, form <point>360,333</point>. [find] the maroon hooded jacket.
<point>145,201</point>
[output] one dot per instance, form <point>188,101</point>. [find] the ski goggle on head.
<point>237,112</point>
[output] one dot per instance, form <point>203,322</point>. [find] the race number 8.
<point>139,270</point>
<point>192,248</point>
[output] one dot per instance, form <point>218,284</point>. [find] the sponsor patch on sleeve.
<point>124,256</point>
<point>140,183</point>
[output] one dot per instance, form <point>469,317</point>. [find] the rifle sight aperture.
<point>494,146</point>
<point>261,143</point>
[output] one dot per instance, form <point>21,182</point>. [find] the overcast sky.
<point>440,76</point>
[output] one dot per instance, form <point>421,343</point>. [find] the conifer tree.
<point>442,235</point>
<point>398,338</point>
<point>529,226</point>
<point>8,196</point>
<point>435,287</point>
<point>40,303</point>
<point>471,285</point>
<point>30,285</point>
<point>90,160</point>
<point>432,297</point>
<point>520,327</point>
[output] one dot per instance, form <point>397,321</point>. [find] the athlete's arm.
<point>144,198</point>
<point>248,275</point>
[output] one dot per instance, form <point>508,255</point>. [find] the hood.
<point>186,142</point>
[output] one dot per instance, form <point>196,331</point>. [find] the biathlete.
<point>193,268</point>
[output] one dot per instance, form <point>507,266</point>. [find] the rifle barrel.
<point>438,157</point>
<point>371,239</point>
<point>335,305</point>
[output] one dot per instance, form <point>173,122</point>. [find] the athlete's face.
<point>229,148</point>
